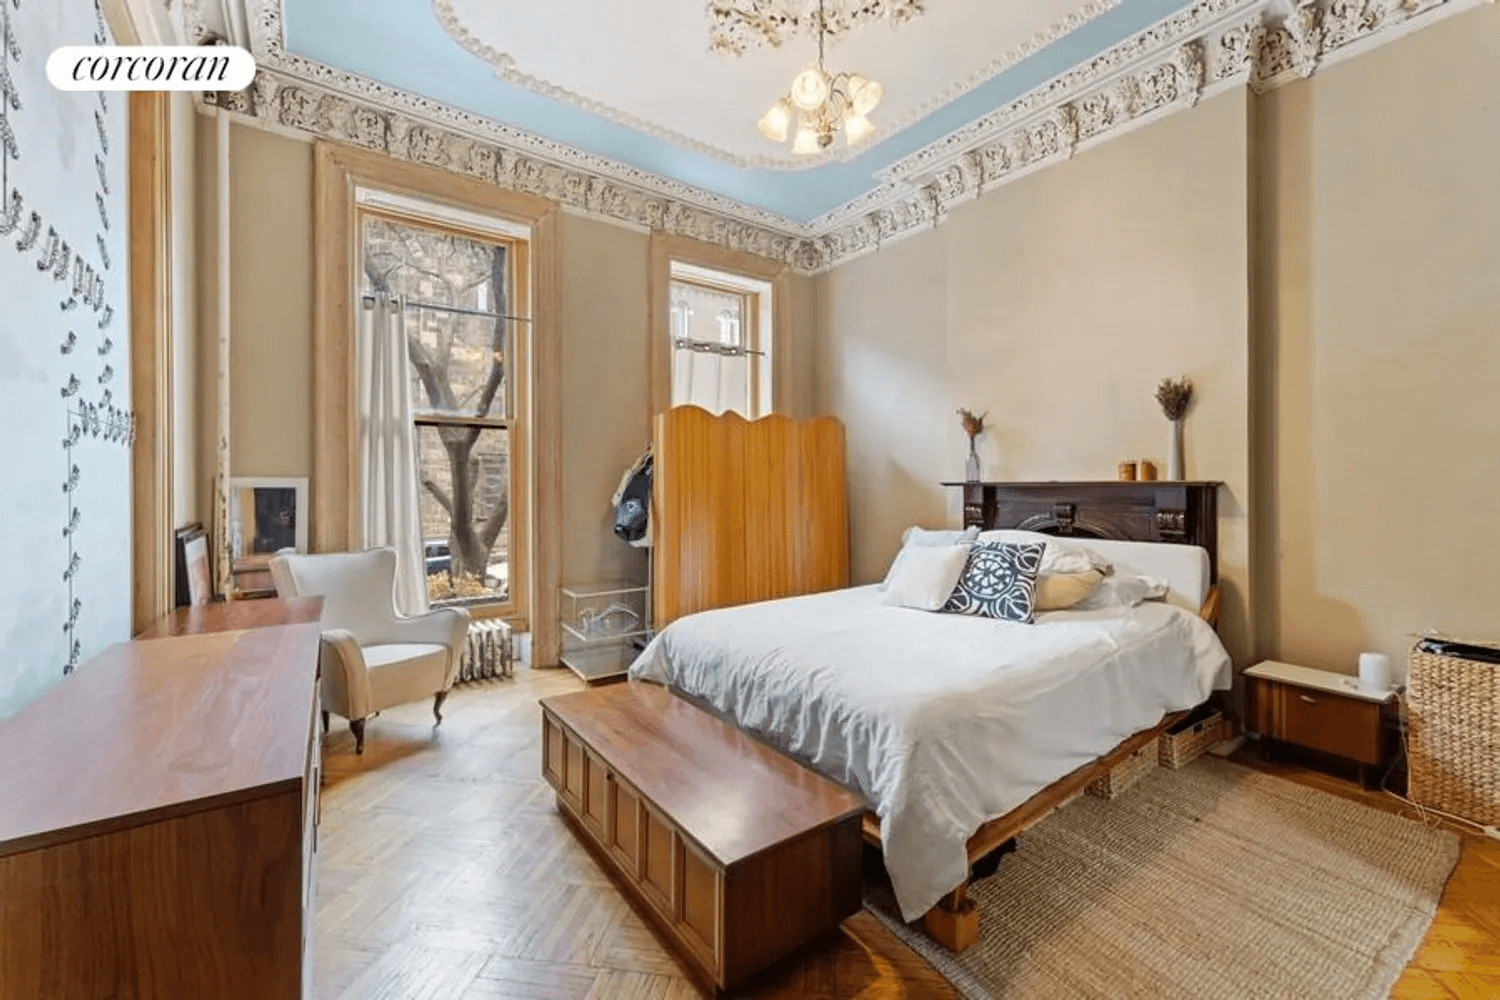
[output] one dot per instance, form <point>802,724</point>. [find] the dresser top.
<point>148,730</point>
<point>1321,680</point>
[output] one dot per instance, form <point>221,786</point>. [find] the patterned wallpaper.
<point>65,420</point>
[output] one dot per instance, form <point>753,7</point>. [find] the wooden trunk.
<point>736,853</point>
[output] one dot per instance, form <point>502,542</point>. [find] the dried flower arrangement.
<point>1174,395</point>
<point>973,425</point>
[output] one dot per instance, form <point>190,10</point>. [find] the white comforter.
<point>942,721</point>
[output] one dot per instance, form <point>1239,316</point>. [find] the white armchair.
<point>372,658</point>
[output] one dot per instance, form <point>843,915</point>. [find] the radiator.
<point>487,653</point>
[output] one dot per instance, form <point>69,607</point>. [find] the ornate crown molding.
<point>1203,50</point>
<point>283,101</point>
<point>736,25</point>
<point>777,18</point>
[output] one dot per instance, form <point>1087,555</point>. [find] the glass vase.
<point>1175,462</point>
<point>971,466</point>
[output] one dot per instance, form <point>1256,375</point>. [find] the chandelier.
<point>821,103</point>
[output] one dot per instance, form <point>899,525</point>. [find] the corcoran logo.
<point>150,67</point>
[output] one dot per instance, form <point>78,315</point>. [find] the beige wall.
<point>604,414</point>
<point>1381,188</point>
<point>271,307</point>
<point>1056,303</point>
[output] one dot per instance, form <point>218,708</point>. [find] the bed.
<point>959,731</point>
<point>946,721</point>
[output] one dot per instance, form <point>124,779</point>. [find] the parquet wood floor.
<point>446,874</point>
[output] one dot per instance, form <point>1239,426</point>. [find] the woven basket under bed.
<point>1118,779</point>
<point>1453,720</point>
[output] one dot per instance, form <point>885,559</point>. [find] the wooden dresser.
<point>158,816</point>
<point>738,854</point>
<point>1330,713</point>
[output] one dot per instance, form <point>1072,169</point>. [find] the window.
<point>720,330</point>
<point>458,292</point>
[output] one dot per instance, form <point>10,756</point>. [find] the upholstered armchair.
<point>372,658</point>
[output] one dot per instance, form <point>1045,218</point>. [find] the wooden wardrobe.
<point>745,511</point>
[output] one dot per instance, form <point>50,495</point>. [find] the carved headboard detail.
<point>1184,513</point>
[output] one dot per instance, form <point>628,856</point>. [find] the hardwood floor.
<point>447,874</point>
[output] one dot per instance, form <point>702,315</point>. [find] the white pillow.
<point>1060,557</point>
<point>1122,592</point>
<point>927,537</point>
<point>923,576</point>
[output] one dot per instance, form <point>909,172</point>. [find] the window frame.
<point>515,606</point>
<point>758,338</point>
<point>338,170</point>
<point>669,248</point>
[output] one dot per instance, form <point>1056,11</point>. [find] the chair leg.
<point>437,706</point>
<point>325,722</point>
<point>357,727</point>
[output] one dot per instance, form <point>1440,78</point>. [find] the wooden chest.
<point>1322,711</point>
<point>738,854</point>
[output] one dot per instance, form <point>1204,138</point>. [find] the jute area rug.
<point>1215,882</point>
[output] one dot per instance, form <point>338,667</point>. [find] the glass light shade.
<point>864,94</point>
<point>858,128</point>
<point>806,142</point>
<point>776,122</point>
<point>810,89</point>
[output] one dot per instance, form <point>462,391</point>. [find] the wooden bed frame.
<point>721,482</point>
<point>1170,512</point>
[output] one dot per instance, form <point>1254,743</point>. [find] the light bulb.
<point>864,94</point>
<point>810,89</point>
<point>858,128</point>
<point>775,123</point>
<point>807,140</point>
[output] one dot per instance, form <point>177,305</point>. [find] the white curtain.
<point>386,451</point>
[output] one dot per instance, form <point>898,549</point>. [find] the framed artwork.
<point>266,516</point>
<point>194,581</point>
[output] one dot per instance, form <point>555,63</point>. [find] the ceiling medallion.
<point>735,25</point>
<point>821,104</point>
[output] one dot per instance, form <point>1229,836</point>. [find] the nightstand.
<point>1323,711</point>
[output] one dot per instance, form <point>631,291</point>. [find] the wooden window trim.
<point>666,248</point>
<point>150,240</point>
<point>338,171</point>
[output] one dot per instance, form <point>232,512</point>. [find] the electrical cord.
<point>1425,813</point>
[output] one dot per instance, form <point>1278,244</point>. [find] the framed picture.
<point>194,581</point>
<point>266,516</point>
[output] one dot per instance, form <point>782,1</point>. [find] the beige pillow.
<point>1059,591</point>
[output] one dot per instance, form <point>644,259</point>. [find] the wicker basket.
<point>1453,720</point>
<point>1180,747</point>
<point>1127,772</point>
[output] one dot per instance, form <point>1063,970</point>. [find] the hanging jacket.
<point>632,503</point>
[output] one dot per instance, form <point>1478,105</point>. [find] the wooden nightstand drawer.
<point>1318,720</point>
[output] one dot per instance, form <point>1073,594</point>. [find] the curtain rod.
<point>710,347</point>
<point>403,302</point>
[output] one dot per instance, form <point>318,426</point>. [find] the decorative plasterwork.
<point>736,25</point>
<point>1203,50</point>
<point>855,12</point>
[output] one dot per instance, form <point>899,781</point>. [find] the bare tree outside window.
<point>455,292</point>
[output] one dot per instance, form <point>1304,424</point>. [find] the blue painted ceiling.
<point>401,44</point>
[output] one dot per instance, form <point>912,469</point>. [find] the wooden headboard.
<point>745,511</point>
<point>1184,513</point>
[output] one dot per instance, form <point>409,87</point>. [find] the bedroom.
<point>1313,248</point>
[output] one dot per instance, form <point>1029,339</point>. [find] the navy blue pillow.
<point>999,581</point>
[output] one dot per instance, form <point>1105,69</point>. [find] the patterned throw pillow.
<point>999,581</point>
